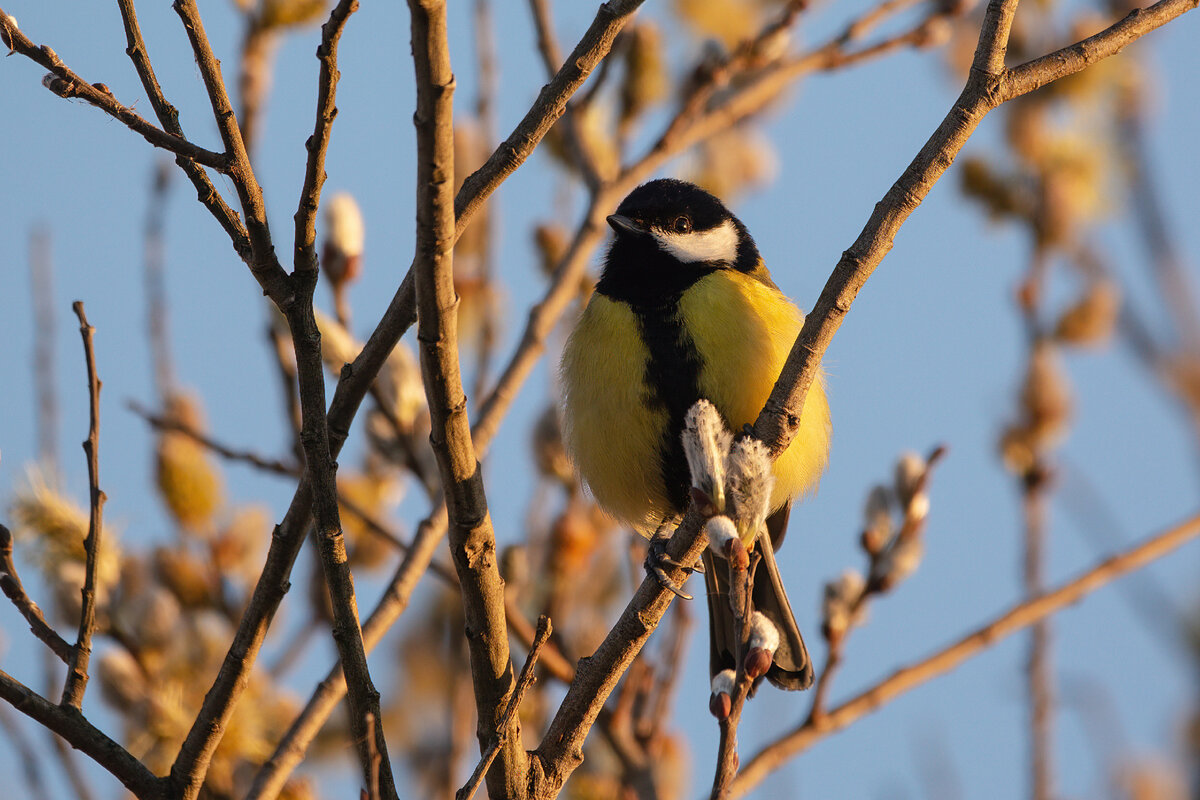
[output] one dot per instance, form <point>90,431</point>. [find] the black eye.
<point>681,225</point>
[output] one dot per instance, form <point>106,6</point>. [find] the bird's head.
<point>670,233</point>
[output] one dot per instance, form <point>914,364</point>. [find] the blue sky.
<point>931,352</point>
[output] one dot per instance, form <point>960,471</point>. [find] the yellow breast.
<point>742,330</point>
<point>609,429</point>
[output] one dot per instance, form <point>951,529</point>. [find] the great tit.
<point>685,309</point>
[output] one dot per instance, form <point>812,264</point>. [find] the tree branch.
<point>263,263</point>
<point>550,104</point>
<point>514,703</point>
<point>1071,59</point>
<point>81,653</point>
<point>67,84</point>
<point>472,540</point>
<point>1016,618</point>
<point>10,583</point>
<point>168,117</point>
<point>561,749</point>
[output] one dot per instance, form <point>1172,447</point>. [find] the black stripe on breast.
<point>672,383</point>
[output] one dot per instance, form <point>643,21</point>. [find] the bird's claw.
<point>657,557</point>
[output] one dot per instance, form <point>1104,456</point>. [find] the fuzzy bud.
<point>188,481</point>
<point>838,607</point>
<point>877,519</point>
<point>900,561</point>
<point>909,473</point>
<point>1093,318</point>
<point>720,702</point>
<point>1046,395</point>
<point>345,235</point>
<point>763,633</point>
<point>706,443</point>
<point>749,483</point>
<point>721,533</point>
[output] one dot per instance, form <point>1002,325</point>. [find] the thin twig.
<point>164,423</point>
<point>65,83</point>
<point>263,263</point>
<point>561,749</point>
<point>1017,618</point>
<point>320,466</point>
<point>10,583</point>
<point>740,593</point>
<point>317,145</point>
<point>81,653</point>
<point>168,117</point>
<point>1039,677</point>
<point>514,703</point>
<point>550,104</point>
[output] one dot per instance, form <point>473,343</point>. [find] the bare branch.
<point>81,653</point>
<point>291,749</point>
<point>318,144</point>
<point>514,703</point>
<point>244,456</point>
<point>1015,619</point>
<point>1108,42</point>
<point>65,83</point>
<point>10,583</point>
<point>551,102</point>
<point>561,749</point>
<point>168,117</point>
<point>263,263</point>
<point>472,540</point>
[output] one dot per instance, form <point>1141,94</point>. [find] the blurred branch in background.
<point>774,755</point>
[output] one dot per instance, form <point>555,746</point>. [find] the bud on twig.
<point>877,514</point>
<point>720,702</point>
<point>721,533</point>
<point>750,482</point>
<point>762,644</point>
<point>345,235</point>
<point>706,443</point>
<point>842,607</point>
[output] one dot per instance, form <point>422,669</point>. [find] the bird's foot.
<point>657,558</point>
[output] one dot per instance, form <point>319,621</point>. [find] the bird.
<point>685,309</point>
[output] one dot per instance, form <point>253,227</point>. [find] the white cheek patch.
<point>718,244</point>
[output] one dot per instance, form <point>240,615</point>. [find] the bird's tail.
<point>791,669</point>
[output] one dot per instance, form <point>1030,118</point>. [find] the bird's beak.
<point>622,224</point>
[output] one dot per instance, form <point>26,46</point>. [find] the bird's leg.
<point>657,558</point>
